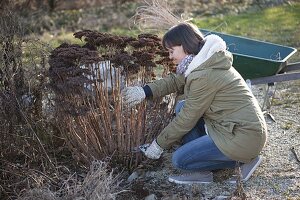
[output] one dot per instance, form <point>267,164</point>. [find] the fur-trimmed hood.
<point>213,44</point>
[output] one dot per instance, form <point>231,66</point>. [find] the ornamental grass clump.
<point>87,81</point>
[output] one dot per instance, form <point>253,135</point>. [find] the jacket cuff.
<point>148,91</point>
<point>157,146</point>
<point>161,142</point>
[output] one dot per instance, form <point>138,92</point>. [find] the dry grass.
<point>156,16</point>
<point>99,184</point>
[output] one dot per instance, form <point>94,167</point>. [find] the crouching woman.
<point>219,122</point>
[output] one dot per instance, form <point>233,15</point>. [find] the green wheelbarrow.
<point>260,62</point>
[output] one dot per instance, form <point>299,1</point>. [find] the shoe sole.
<point>188,182</point>
<point>251,171</point>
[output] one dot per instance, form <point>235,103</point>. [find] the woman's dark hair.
<point>184,34</point>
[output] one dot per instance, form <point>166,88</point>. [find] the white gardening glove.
<point>133,95</point>
<point>152,151</point>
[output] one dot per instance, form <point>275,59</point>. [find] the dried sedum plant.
<point>87,81</point>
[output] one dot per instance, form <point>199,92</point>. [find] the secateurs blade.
<point>141,148</point>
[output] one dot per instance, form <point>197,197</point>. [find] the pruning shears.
<point>141,148</point>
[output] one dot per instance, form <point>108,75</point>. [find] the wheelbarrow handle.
<point>275,78</point>
<point>291,67</point>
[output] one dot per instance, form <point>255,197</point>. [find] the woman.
<point>235,129</point>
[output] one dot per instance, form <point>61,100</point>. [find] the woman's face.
<point>176,53</point>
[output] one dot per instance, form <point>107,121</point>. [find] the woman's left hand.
<point>152,151</point>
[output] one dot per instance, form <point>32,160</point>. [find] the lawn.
<point>280,25</point>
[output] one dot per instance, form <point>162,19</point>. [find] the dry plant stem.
<point>105,116</point>
<point>46,176</point>
<point>240,191</point>
<point>99,104</point>
<point>89,137</point>
<point>34,133</point>
<point>117,108</point>
<point>96,131</point>
<point>74,136</point>
<point>128,126</point>
<point>294,151</point>
<point>93,131</point>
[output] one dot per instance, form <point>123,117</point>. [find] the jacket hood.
<point>213,44</point>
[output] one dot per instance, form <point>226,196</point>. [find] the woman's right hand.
<point>133,95</point>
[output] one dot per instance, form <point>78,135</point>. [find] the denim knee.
<point>177,161</point>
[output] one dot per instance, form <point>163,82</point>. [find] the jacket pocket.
<point>227,129</point>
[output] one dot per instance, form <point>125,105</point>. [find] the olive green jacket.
<point>216,91</point>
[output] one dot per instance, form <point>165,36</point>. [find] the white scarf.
<point>213,44</point>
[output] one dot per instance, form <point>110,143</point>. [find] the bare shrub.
<point>24,137</point>
<point>87,82</point>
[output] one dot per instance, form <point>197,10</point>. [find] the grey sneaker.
<point>247,170</point>
<point>193,177</point>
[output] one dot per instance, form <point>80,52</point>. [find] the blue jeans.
<point>199,152</point>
